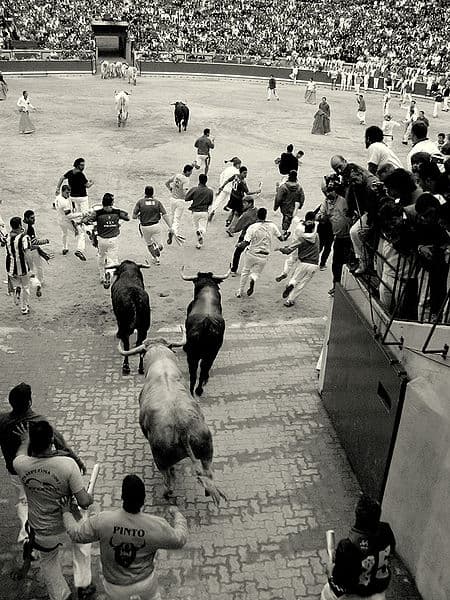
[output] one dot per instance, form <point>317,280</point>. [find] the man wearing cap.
<point>129,540</point>
<point>223,197</point>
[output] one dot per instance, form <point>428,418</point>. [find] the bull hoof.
<point>125,370</point>
<point>141,370</point>
<point>199,391</point>
<point>167,494</point>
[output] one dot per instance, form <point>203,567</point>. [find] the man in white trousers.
<point>223,197</point>
<point>39,258</point>
<point>308,248</point>
<point>258,242</point>
<point>79,185</point>
<point>178,187</point>
<point>63,207</point>
<point>107,221</point>
<point>129,540</point>
<point>47,477</point>
<point>201,198</point>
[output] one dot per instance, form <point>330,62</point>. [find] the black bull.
<point>205,327</point>
<point>131,306</point>
<point>181,114</point>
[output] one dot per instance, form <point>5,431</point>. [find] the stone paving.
<point>277,458</point>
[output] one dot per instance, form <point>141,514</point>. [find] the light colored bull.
<point>112,69</point>
<point>171,419</point>
<point>122,102</point>
<point>123,70</point>
<point>104,69</point>
<point>118,66</point>
<point>132,75</point>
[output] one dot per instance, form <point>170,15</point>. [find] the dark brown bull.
<point>181,114</point>
<point>205,327</point>
<point>131,306</point>
<point>171,419</point>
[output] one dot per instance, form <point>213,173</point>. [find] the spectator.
<point>401,187</point>
<point>420,141</point>
<point>287,162</point>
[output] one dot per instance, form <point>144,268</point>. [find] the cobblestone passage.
<point>277,459</point>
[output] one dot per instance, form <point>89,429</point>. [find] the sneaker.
<point>331,292</point>
<point>169,238</point>
<point>198,246</point>
<point>17,295</point>
<point>238,295</point>
<point>281,277</point>
<point>107,280</point>
<point>234,274</point>
<point>157,262</point>
<point>65,251</point>
<point>211,216</point>
<point>156,250</point>
<point>25,310</point>
<point>323,267</point>
<point>251,287</point>
<point>80,255</point>
<point>199,237</point>
<point>86,593</point>
<point>288,303</point>
<point>39,291</point>
<point>287,290</point>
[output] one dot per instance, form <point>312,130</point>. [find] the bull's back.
<point>204,333</point>
<point>131,305</point>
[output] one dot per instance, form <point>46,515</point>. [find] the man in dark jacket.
<point>289,199</point>
<point>248,217</point>
<point>287,162</point>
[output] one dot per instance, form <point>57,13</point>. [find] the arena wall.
<point>416,500</point>
<point>45,67</point>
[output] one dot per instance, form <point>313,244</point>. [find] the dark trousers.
<point>286,222</point>
<point>341,254</point>
<point>236,257</point>
<point>326,237</point>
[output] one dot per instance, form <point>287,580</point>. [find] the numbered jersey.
<point>362,562</point>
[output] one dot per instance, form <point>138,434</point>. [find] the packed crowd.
<point>315,30</point>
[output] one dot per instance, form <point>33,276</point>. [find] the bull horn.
<point>112,266</point>
<point>137,350</point>
<point>184,276</point>
<point>142,266</point>
<point>183,341</point>
<point>222,277</point>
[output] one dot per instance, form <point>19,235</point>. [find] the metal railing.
<point>45,54</point>
<point>409,290</point>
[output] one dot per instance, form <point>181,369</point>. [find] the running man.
<point>79,185</point>
<point>64,216</point>
<point>149,211</point>
<point>38,256</point>
<point>19,264</point>
<point>204,146</point>
<point>223,197</point>
<point>239,189</point>
<point>178,186</point>
<point>201,198</point>
<point>258,241</point>
<point>107,220</point>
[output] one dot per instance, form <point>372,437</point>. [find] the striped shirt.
<point>16,246</point>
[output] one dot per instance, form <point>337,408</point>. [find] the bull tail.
<point>206,481</point>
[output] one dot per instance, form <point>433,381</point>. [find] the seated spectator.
<point>428,177</point>
<point>421,143</point>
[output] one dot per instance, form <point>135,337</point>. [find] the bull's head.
<point>125,552</point>
<point>128,266</point>
<point>205,276</point>
<point>147,343</point>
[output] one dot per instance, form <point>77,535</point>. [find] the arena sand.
<point>76,117</point>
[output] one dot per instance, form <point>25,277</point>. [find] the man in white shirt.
<point>223,197</point>
<point>178,186</point>
<point>63,207</point>
<point>420,141</point>
<point>48,476</point>
<point>258,240</point>
<point>129,540</point>
<point>377,152</point>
